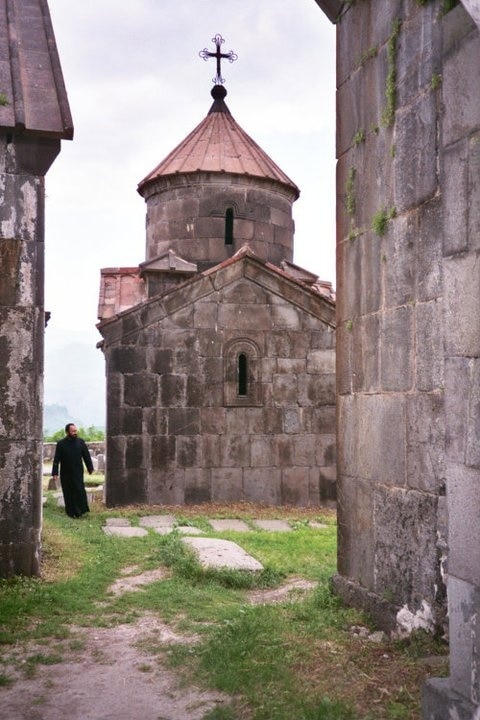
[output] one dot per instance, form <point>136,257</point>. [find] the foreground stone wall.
<point>177,432</point>
<point>23,162</point>
<point>390,321</point>
<point>408,332</point>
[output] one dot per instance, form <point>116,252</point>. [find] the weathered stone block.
<point>316,390</point>
<point>405,533</point>
<point>429,346</point>
<point>371,272</point>
<point>188,450</point>
<point>172,390</point>
<point>355,530</point>
<point>293,420</point>
<point>325,450</point>
<point>304,449</point>
<point>21,207</point>
<point>134,452</point>
<point>184,421</point>
<point>425,442</point>
<point>166,487</point>
<point>464,636</point>
<point>197,486</point>
<point>365,354</point>
<point>285,390</point>
<point>459,71</point>
<point>160,360</point>
<point>400,260</point>
<point>370,424</point>
<point>162,451</point>
<point>140,390</point>
<point>464,529</point>
<point>273,420</point>
<point>396,349</point>
<point>205,314</point>
<point>429,251</point>
<point>262,485</point>
<point>324,419</point>
<point>418,54</point>
<point>455,187</point>
<point>416,160</point>
<point>234,450</point>
<point>327,484</point>
<point>210,450</point>
<point>462,290</point>
<point>295,486</point>
<point>125,359</point>
<point>227,485</point>
<point>213,420</point>
<point>457,383</point>
<point>262,451</point>
<point>321,362</point>
<point>472,450</point>
<point>240,317</point>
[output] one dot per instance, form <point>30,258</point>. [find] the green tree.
<point>89,434</point>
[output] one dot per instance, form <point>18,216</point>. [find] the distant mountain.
<point>74,383</point>
<point>55,417</point>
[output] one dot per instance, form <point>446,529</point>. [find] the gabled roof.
<point>167,262</point>
<point>243,264</point>
<point>33,95</point>
<point>218,144</point>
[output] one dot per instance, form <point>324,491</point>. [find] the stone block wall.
<point>390,313</point>
<point>23,163</point>
<point>408,334</point>
<point>176,433</point>
<point>186,214</point>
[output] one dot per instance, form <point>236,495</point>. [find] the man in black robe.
<point>70,454</point>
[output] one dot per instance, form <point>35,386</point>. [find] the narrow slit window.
<point>242,375</point>
<point>229,226</point>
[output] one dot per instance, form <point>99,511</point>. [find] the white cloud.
<point>137,87</point>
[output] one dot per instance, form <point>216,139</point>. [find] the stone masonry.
<point>34,116</point>
<point>408,345</point>
<point>178,433</point>
<point>221,373</point>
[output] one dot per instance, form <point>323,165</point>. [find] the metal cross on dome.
<point>230,56</point>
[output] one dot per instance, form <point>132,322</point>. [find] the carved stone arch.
<point>241,367</point>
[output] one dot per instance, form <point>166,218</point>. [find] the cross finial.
<point>230,56</point>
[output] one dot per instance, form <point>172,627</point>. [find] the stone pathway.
<point>211,552</point>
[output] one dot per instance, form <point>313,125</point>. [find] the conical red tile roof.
<point>218,144</point>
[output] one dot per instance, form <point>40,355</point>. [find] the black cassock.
<point>70,454</point>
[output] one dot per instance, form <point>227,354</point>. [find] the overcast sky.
<point>137,87</point>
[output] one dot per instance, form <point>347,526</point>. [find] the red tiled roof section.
<point>32,91</point>
<point>218,144</point>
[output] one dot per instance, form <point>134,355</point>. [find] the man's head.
<point>71,430</point>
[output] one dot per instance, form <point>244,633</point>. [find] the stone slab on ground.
<point>216,553</point>
<point>189,530</point>
<point>229,524</point>
<point>317,525</point>
<point>157,521</point>
<point>124,531</point>
<point>117,522</point>
<point>273,525</point>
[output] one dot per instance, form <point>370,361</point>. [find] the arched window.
<point>229,226</point>
<point>241,363</point>
<point>242,375</point>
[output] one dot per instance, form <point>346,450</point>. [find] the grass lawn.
<point>297,659</point>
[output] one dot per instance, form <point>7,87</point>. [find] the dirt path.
<point>110,673</point>
<point>106,676</point>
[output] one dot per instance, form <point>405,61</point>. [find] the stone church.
<point>219,350</point>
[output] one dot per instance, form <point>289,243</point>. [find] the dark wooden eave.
<point>331,8</point>
<point>33,98</point>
